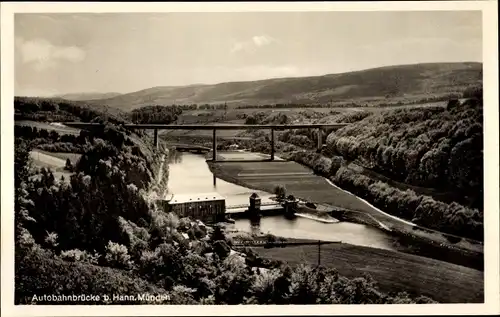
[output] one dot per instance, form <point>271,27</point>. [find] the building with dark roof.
<point>208,207</point>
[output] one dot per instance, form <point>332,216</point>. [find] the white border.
<point>490,65</point>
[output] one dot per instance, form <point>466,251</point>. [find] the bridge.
<point>236,209</point>
<point>215,127</point>
<point>246,205</point>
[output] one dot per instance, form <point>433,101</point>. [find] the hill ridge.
<point>374,83</point>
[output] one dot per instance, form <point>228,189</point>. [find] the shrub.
<point>280,192</point>
<point>117,256</point>
<point>76,255</point>
<point>221,249</point>
<point>37,275</point>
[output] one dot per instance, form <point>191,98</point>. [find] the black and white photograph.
<point>215,157</point>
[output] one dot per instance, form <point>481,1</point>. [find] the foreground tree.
<point>280,192</point>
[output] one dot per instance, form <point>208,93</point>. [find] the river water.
<point>189,174</point>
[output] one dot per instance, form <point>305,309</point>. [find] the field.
<point>59,128</point>
<point>297,179</point>
<point>54,161</point>
<point>73,157</point>
<point>394,271</point>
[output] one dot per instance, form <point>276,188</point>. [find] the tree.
<point>453,103</point>
<point>280,192</point>
<point>217,234</point>
<point>221,249</point>
<point>69,165</point>
<point>251,119</point>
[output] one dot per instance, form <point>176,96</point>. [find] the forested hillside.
<point>433,147</point>
<point>155,114</point>
<point>53,109</point>
<point>60,110</point>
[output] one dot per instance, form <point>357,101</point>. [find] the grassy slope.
<point>73,157</point>
<point>395,81</point>
<point>394,271</point>
<point>47,126</point>
<point>53,161</point>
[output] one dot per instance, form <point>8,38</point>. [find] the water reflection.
<point>189,173</point>
<point>174,157</point>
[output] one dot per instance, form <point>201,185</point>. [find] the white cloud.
<point>262,40</point>
<point>252,44</point>
<point>45,55</point>
<point>240,46</point>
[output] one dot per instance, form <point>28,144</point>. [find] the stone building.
<point>208,207</point>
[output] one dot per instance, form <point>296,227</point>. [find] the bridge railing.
<point>246,205</point>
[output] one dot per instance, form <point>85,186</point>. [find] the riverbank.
<point>350,208</point>
<point>319,213</point>
<point>316,218</point>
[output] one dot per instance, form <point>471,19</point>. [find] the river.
<point>189,173</point>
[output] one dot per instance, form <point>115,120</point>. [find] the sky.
<point>125,52</point>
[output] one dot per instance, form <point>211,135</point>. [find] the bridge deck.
<point>191,148</point>
<point>246,205</point>
<point>263,208</point>
<point>212,127</point>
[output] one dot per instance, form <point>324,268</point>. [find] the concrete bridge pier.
<point>156,138</point>
<point>272,144</point>
<point>214,146</point>
<point>320,139</point>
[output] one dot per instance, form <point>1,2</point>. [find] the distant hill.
<point>88,96</point>
<point>392,81</point>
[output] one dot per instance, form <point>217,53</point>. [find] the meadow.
<point>394,271</point>
<point>73,157</point>
<point>59,128</point>
<point>54,162</point>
